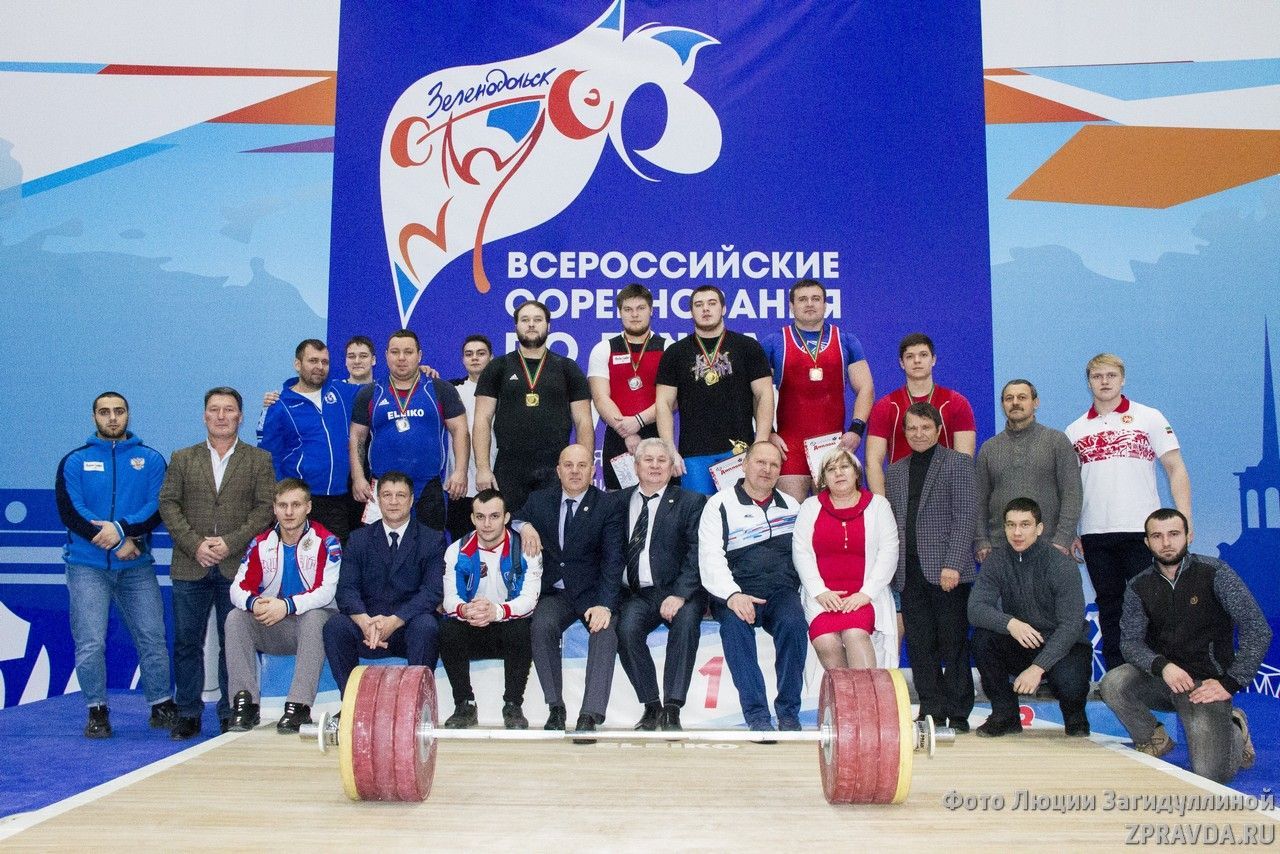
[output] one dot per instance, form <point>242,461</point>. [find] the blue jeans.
<point>783,618</point>
<point>136,593</point>
<point>191,603</point>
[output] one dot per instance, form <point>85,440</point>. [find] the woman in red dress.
<point>845,548</point>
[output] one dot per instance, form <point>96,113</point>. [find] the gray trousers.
<point>1214,741</point>
<point>299,635</point>
<point>553,616</point>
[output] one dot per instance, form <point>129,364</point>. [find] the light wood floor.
<point>267,792</point>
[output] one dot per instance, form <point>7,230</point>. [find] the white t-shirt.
<point>598,361</point>
<point>467,391</point>
<point>1118,453</point>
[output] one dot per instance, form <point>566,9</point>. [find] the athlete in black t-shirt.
<point>530,400</point>
<point>722,384</point>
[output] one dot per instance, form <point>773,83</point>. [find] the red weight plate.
<point>863,766</point>
<point>384,731</point>
<point>362,734</point>
<point>415,703</point>
<point>888,760</point>
<point>837,760</point>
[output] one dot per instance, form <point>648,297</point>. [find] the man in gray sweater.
<point>1028,460</point>
<point>1027,609</point>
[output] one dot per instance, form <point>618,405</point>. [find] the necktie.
<point>635,545</point>
<point>568,517</point>
<point>395,544</point>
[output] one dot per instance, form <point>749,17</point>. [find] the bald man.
<point>578,531</point>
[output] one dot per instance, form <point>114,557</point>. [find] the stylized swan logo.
<point>481,152</point>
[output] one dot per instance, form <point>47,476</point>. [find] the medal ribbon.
<point>395,395</point>
<point>711,359</point>
<point>635,362</point>
<point>524,366</point>
<point>816,350</point>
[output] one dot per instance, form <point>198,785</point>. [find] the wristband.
<point>858,426</point>
<point>639,420</point>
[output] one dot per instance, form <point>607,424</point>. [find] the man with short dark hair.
<point>529,401</point>
<point>490,590</point>
<point>1027,611</point>
<point>721,382</point>
<point>1192,636</point>
<point>283,594</point>
<point>621,372</point>
<point>886,428</point>
<point>216,497</point>
<point>408,422</point>
<point>360,360</point>
<point>108,497</point>
<point>811,361</point>
<point>477,352</point>
<point>306,435</point>
<point>744,558</point>
<point>1027,459</point>
<point>390,587</point>
<point>932,496</point>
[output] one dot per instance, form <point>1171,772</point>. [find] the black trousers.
<point>937,630</point>
<point>518,475</point>
<point>430,507</point>
<point>1000,658</point>
<point>462,643</point>
<point>332,512</point>
<point>458,518</point>
<point>638,615</point>
<point>1112,560</point>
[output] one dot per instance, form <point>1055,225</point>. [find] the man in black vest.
<point>1176,634</point>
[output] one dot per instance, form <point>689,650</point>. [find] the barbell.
<point>387,733</point>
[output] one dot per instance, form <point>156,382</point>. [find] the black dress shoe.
<point>464,716</point>
<point>224,725</point>
<point>649,720</point>
<point>244,713</point>
<point>513,716</point>
<point>557,718</point>
<point>994,727</point>
<point>164,714</point>
<point>1077,726</point>
<point>185,728</point>
<point>959,725</point>
<point>586,723</point>
<point>670,720</point>
<point>295,715</point>
<point>99,724</point>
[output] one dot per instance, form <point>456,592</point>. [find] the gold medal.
<point>739,446</point>
<point>634,383</point>
<point>531,399</point>
<point>711,377</point>
<point>815,375</point>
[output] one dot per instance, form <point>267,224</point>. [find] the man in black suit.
<point>660,584</point>
<point>392,582</point>
<point>578,528</point>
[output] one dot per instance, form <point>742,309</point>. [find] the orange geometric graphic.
<point>310,105</point>
<point>1006,105</point>
<point>1150,167</point>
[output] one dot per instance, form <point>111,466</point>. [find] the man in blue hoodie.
<point>108,497</point>
<point>306,435</point>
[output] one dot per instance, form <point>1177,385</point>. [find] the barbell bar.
<point>387,734</point>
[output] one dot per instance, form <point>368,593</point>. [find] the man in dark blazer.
<point>216,497</point>
<point>933,497</point>
<point>660,584</point>
<point>577,528</point>
<point>392,582</point>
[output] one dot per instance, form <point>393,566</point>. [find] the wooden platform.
<point>269,792</point>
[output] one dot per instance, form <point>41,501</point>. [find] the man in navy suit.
<point>578,530</point>
<point>392,582</point>
<point>660,584</point>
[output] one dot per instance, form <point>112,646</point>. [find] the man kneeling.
<point>490,589</point>
<point>1027,609</point>
<point>283,594</point>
